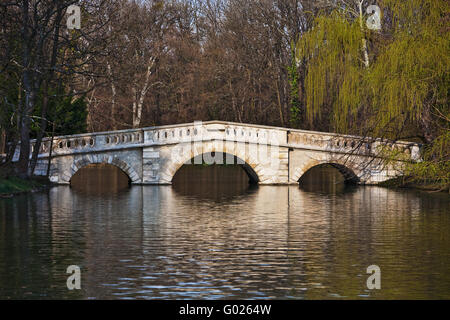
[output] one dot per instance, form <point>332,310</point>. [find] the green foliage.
<point>9,93</point>
<point>295,103</point>
<point>332,51</point>
<point>14,185</point>
<point>404,92</point>
<point>435,167</point>
<point>418,16</point>
<point>68,114</point>
<point>411,74</point>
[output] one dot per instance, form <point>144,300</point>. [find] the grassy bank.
<point>13,185</point>
<point>402,182</point>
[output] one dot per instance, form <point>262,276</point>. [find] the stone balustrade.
<point>222,131</point>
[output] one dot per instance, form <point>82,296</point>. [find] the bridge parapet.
<point>347,144</point>
<point>259,135</point>
<point>215,131</point>
<point>174,134</point>
<point>86,143</point>
<point>225,131</point>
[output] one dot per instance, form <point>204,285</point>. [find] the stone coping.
<point>225,123</point>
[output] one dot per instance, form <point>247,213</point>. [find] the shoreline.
<point>399,183</point>
<point>14,186</point>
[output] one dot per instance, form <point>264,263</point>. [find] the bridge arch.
<point>253,169</point>
<point>346,168</point>
<point>100,159</point>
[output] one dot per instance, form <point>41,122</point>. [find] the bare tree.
<point>48,52</point>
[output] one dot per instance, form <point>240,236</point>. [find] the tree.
<point>402,94</point>
<point>44,54</point>
<point>67,114</point>
<point>332,54</point>
<point>296,111</point>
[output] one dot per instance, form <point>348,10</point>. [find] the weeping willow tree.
<point>410,83</point>
<point>410,78</point>
<point>332,52</point>
<point>403,94</point>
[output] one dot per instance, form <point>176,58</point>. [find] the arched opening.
<point>328,178</point>
<point>100,178</point>
<point>226,176</point>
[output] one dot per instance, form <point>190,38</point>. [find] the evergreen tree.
<point>69,115</point>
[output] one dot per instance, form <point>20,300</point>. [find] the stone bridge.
<point>269,155</point>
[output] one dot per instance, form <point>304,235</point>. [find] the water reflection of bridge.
<point>269,241</point>
<point>188,240</point>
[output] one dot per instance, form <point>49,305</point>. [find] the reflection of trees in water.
<point>153,241</point>
<point>33,258</point>
<point>100,230</point>
<point>392,229</point>
<point>219,246</point>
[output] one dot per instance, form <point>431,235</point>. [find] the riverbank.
<point>402,183</point>
<point>13,185</point>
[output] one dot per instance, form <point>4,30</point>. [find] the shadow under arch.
<point>99,165</point>
<point>348,174</point>
<point>100,179</point>
<point>346,169</point>
<point>221,159</point>
<point>329,178</point>
<point>185,155</point>
<point>115,162</point>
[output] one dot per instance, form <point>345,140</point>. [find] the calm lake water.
<point>213,236</point>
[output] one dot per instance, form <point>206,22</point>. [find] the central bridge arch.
<point>186,155</point>
<point>226,158</point>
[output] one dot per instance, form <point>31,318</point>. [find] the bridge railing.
<point>175,134</point>
<point>226,131</point>
<point>214,131</point>
<point>82,143</point>
<point>353,144</point>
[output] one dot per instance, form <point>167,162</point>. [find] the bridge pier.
<point>150,166</point>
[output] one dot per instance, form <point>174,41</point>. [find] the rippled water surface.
<point>213,236</point>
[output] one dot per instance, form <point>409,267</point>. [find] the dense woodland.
<point>309,64</point>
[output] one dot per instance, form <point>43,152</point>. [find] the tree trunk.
<point>113,98</point>
<point>24,158</point>
<point>280,107</point>
<point>42,128</point>
<point>3,141</point>
<point>50,152</point>
<point>364,41</point>
<point>138,101</point>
